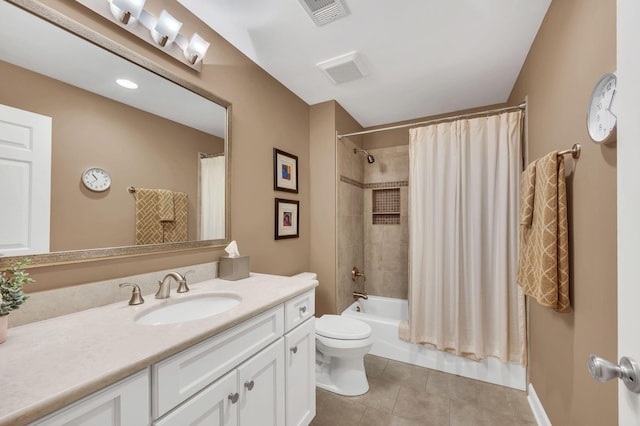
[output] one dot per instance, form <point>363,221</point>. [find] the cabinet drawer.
<point>299,309</point>
<point>186,373</point>
<point>123,403</point>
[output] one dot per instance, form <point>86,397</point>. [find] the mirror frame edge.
<point>80,256</point>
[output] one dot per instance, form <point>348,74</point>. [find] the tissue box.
<point>233,268</point>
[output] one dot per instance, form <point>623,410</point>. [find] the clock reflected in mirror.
<point>601,115</point>
<point>96,179</point>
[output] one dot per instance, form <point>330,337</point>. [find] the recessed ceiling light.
<point>127,84</point>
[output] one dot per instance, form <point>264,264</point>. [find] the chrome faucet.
<point>360,295</point>
<point>163,289</point>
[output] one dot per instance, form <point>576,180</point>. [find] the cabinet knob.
<point>303,309</point>
<point>234,397</point>
<point>249,385</point>
<point>294,349</point>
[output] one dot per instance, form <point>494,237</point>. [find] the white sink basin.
<point>189,309</point>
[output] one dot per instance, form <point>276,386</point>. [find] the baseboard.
<point>537,408</point>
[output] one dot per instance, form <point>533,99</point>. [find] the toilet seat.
<point>342,328</point>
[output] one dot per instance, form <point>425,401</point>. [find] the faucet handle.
<point>136,295</point>
<point>183,287</point>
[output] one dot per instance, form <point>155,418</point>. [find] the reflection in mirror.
<point>164,147</point>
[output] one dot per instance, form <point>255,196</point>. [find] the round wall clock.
<point>96,179</point>
<point>601,117</point>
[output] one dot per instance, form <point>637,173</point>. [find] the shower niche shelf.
<point>386,206</point>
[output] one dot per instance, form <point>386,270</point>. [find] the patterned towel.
<point>148,225</point>
<point>176,230</point>
<point>165,205</point>
<point>527,193</point>
<point>543,265</point>
<point>150,207</point>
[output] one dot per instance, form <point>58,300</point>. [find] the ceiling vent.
<point>325,11</point>
<point>344,68</point>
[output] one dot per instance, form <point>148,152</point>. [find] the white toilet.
<point>341,344</point>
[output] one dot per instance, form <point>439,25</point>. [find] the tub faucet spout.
<point>360,295</point>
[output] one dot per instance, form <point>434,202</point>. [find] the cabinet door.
<point>214,406</point>
<point>123,403</point>
<point>261,384</point>
<point>300,360</point>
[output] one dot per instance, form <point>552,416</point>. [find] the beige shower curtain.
<point>463,221</point>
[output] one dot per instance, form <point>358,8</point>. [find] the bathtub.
<point>384,314</point>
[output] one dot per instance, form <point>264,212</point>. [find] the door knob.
<point>628,371</point>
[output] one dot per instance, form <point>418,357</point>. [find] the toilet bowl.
<point>341,344</point>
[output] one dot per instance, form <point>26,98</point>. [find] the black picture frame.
<point>287,219</point>
<point>285,171</point>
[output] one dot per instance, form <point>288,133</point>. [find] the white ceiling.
<point>424,57</point>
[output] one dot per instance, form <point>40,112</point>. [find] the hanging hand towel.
<point>165,205</point>
<point>543,265</point>
<point>176,231</point>
<point>148,225</point>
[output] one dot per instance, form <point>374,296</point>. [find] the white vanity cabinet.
<point>259,372</point>
<point>123,403</point>
<point>300,369</point>
<point>300,359</point>
<point>252,394</point>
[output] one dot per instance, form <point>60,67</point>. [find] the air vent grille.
<point>325,11</point>
<point>344,68</point>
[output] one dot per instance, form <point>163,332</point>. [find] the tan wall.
<point>575,46</point>
<point>265,115</point>
<point>94,131</point>
<point>326,119</point>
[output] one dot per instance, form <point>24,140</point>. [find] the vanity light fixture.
<point>166,30</point>
<point>163,32</point>
<point>127,84</point>
<point>196,48</point>
<point>125,10</point>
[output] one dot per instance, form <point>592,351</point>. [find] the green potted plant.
<point>11,295</point>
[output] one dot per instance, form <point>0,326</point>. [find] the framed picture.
<point>287,216</point>
<point>285,171</point>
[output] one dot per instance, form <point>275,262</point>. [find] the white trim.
<point>537,408</point>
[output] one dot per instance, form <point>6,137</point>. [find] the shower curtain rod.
<point>522,106</point>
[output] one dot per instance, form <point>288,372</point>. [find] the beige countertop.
<point>48,364</point>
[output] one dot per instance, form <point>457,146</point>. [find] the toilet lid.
<point>341,327</point>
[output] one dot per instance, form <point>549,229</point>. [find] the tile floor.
<point>405,395</point>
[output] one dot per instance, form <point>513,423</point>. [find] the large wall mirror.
<point>165,145</point>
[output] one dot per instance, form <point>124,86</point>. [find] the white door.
<point>628,106</point>
<point>25,182</point>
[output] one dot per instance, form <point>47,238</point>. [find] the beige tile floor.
<point>405,395</point>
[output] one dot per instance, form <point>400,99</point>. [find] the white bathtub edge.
<point>536,406</point>
<point>387,344</point>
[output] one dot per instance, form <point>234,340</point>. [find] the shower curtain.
<point>212,197</point>
<point>463,222</point>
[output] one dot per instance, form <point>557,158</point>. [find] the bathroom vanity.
<point>252,364</point>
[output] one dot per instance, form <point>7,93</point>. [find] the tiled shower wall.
<point>350,232</point>
<point>386,246</point>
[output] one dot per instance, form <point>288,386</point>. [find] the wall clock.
<point>601,116</point>
<point>96,179</point>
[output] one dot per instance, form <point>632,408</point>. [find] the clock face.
<point>601,117</point>
<point>96,179</point>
